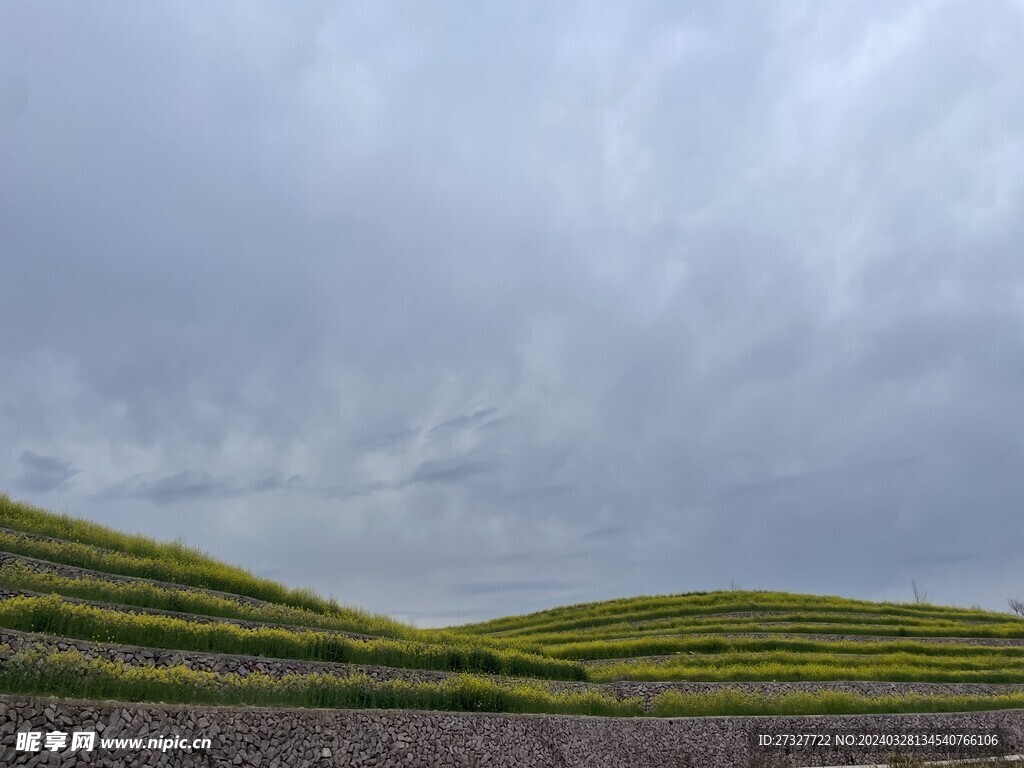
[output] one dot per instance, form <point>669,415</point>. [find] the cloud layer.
<point>461,312</point>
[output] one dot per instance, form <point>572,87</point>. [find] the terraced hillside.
<point>89,613</point>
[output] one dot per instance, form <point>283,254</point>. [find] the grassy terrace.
<point>52,615</point>
<point>196,573</point>
<point>145,595</point>
<point>803,623</point>
<point>696,636</point>
<point>733,645</point>
<point>678,610</point>
<point>71,674</point>
<point>750,667</point>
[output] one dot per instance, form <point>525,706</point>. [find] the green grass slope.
<point>70,579</point>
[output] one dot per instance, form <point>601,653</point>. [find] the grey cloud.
<point>275,482</point>
<point>188,486</point>
<point>743,284</point>
<point>353,491</point>
<point>461,422</point>
<point>539,558</point>
<point>394,441</point>
<point>495,424</point>
<point>42,474</point>
<point>269,483</point>
<point>43,464</point>
<point>181,486</point>
<point>927,560</point>
<point>608,532</point>
<point>789,482</point>
<point>413,614</point>
<point>537,585</point>
<point>518,558</point>
<point>545,492</point>
<point>390,441</point>
<point>450,471</point>
<point>14,99</point>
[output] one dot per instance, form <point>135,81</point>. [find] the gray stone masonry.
<point>647,691</point>
<point>299,738</point>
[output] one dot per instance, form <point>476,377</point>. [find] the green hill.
<point>89,612</point>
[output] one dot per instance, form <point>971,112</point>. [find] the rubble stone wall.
<point>297,738</point>
<point>12,641</point>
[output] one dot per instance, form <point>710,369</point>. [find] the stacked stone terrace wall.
<point>13,640</point>
<point>296,738</point>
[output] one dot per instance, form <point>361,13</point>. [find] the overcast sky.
<point>455,310</point>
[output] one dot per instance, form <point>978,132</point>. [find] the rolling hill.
<point>87,612</point>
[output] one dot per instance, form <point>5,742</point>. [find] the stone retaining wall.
<point>221,663</point>
<point>647,691</point>
<point>297,738</point>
